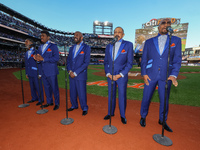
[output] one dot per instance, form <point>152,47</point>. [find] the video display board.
<point>150,29</point>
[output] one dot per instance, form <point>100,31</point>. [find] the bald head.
<point>78,32</point>
<point>78,37</point>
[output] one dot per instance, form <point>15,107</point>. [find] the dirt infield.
<point>23,129</point>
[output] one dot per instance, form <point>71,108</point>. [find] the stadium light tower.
<point>102,27</point>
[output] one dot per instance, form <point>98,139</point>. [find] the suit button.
<point>158,68</point>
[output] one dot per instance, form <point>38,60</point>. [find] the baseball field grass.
<point>187,92</point>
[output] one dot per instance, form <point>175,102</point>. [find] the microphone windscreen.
<point>169,29</point>
<point>38,43</point>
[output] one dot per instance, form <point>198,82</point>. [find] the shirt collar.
<point>31,49</point>
<point>120,40</point>
<point>47,42</point>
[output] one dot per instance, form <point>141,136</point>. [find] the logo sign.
<point>105,83</point>
<point>156,22</point>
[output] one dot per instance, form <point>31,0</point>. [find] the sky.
<point>79,15</point>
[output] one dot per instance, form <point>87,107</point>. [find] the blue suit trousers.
<point>147,95</point>
<point>51,88</point>
<point>35,91</point>
<point>78,88</point>
<point>122,87</point>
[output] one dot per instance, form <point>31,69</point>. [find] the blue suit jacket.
<point>51,57</point>
<point>123,61</point>
<point>139,47</point>
<point>80,63</point>
<point>31,66</point>
<point>153,63</point>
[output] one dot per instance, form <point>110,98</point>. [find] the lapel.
<point>27,54</point>
<point>155,41</point>
<point>32,51</point>
<point>138,47</point>
<point>49,44</point>
<point>73,51</point>
<point>120,49</point>
<point>81,47</point>
<point>111,47</point>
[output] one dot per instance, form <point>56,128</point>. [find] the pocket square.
<point>82,52</point>
<point>123,51</point>
<point>48,50</point>
<point>172,45</point>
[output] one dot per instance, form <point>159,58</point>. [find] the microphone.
<point>169,29</point>
<point>21,45</point>
<point>115,39</point>
<point>36,44</point>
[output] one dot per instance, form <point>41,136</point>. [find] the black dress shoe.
<point>84,113</point>
<point>31,101</point>
<point>166,127</point>
<point>46,105</point>
<point>71,109</point>
<point>39,103</point>
<point>143,122</point>
<point>107,117</point>
<point>123,120</point>
<point>56,107</point>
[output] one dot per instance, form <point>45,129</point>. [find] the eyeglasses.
<point>168,22</point>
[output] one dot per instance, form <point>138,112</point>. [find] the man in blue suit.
<point>77,63</point>
<point>140,44</point>
<point>31,73</point>
<point>154,66</point>
<point>123,61</point>
<point>49,56</point>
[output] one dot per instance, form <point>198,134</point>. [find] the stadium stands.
<point>15,28</point>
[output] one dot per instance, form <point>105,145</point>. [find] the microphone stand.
<point>110,129</point>
<point>161,139</point>
<point>41,111</point>
<point>22,105</point>
<point>66,121</point>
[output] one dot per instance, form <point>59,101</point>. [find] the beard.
<point>163,31</point>
<point>77,40</point>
